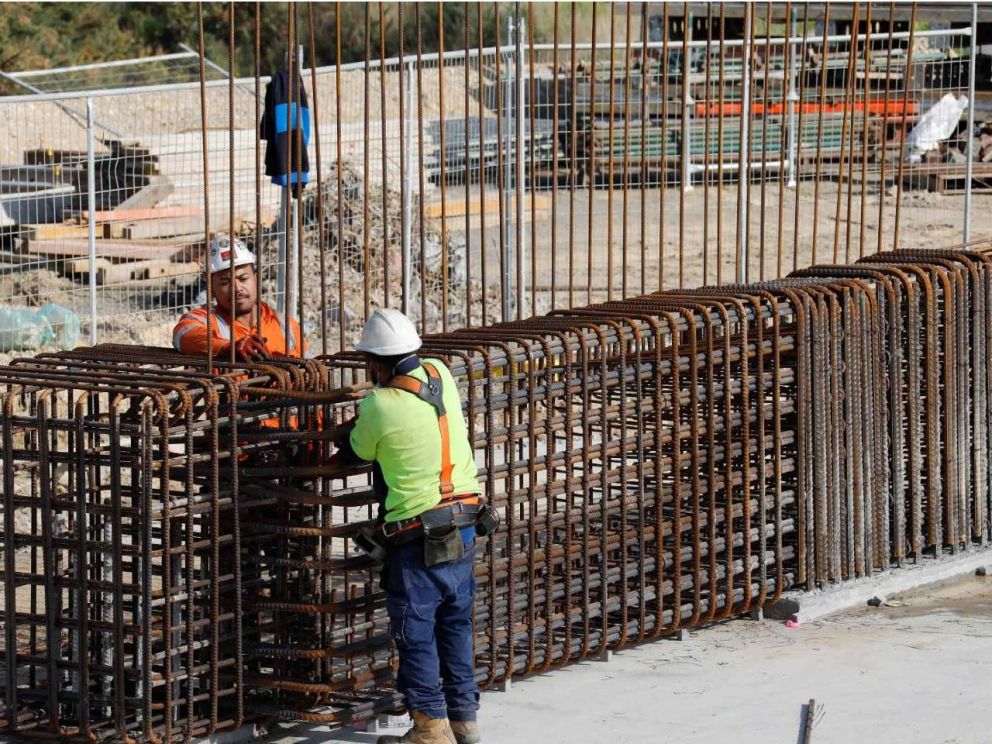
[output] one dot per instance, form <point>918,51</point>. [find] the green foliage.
<point>38,35</point>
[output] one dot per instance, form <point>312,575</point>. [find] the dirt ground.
<point>914,672</point>
<point>146,313</point>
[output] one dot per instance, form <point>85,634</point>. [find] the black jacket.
<point>280,142</point>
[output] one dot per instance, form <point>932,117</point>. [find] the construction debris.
<point>364,257</point>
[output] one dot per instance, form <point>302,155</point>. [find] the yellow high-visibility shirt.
<point>400,431</point>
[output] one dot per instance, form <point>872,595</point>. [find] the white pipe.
<point>792,97</point>
<point>687,113</point>
<point>115,63</point>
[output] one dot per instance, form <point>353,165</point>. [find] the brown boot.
<point>425,731</point>
<point>466,732</point>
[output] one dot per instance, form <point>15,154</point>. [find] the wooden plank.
<point>108,272</point>
<point>458,207</point>
<point>51,232</point>
<point>158,188</point>
<point>163,228</point>
<point>126,249</point>
<point>136,215</point>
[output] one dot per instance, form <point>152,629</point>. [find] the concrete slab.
<point>913,672</point>
<point>804,606</point>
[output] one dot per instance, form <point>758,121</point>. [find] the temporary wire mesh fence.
<point>174,568</point>
<point>490,185</point>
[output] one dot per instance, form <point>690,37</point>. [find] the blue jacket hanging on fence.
<point>277,121</point>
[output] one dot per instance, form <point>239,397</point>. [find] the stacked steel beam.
<point>658,462</point>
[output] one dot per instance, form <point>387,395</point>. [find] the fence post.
<point>969,168</point>
<point>407,186</point>
<point>507,218</point>
<point>519,178</point>
<point>689,104</point>
<point>91,213</point>
<point>792,98</point>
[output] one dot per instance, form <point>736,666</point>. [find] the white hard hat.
<point>221,254</point>
<point>388,333</point>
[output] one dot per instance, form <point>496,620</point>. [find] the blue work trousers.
<point>430,618</point>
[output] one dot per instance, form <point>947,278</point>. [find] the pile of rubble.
<point>357,262</point>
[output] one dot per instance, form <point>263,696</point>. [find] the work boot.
<point>466,732</point>
<point>425,731</point>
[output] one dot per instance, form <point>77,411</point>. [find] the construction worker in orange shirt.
<point>255,328</point>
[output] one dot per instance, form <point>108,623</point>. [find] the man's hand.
<point>251,348</point>
<point>343,430</point>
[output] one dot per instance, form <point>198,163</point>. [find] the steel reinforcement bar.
<point>177,541</point>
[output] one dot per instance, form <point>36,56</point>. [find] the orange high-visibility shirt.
<point>190,333</point>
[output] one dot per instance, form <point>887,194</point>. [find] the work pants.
<point>430,618</point>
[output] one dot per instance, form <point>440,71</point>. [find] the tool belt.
<point>457,511</point>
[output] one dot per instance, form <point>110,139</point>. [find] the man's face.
<point>239,296</point>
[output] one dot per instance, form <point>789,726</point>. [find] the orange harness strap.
<point>431,392</point>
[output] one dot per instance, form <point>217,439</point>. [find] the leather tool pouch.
<point>487,522</point>
<point>442,538</point>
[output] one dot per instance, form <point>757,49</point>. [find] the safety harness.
<point>431,392</point>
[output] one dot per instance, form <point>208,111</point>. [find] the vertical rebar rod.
<point>907,81</point>
<point>443,170</point>
<point>206,190</point>
<point>555,62</point>
<point>230,161</point>
<point>644,144</point>
<point>885,128</point>
<point>339,146</point>
<point>798,103</point>
<point>520,247</point>
<point>321,239</point>
<point>821,105</point>
<point>591,153</point>
<point>258,160</point>
<point>663,113</point>
<point>627,160</point>
<point>420,168</point>
<point>847,102</point>
<point>366,148</point>
<point>406,164</point>
<point>864,138</point>
<point>765,120</point>
<point>573,159</point>
<point>611,156</point>
<point>719,139</point>
<point>970,167</point>
<point>466,119</point>
<point>384,150</point>
<point>686,180</point>
<point>744,170</point>
<point>532,66</point>
<point>483,243</point>
<point>707,116</point>
<point>288,227</point>
<point>785,143</point>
